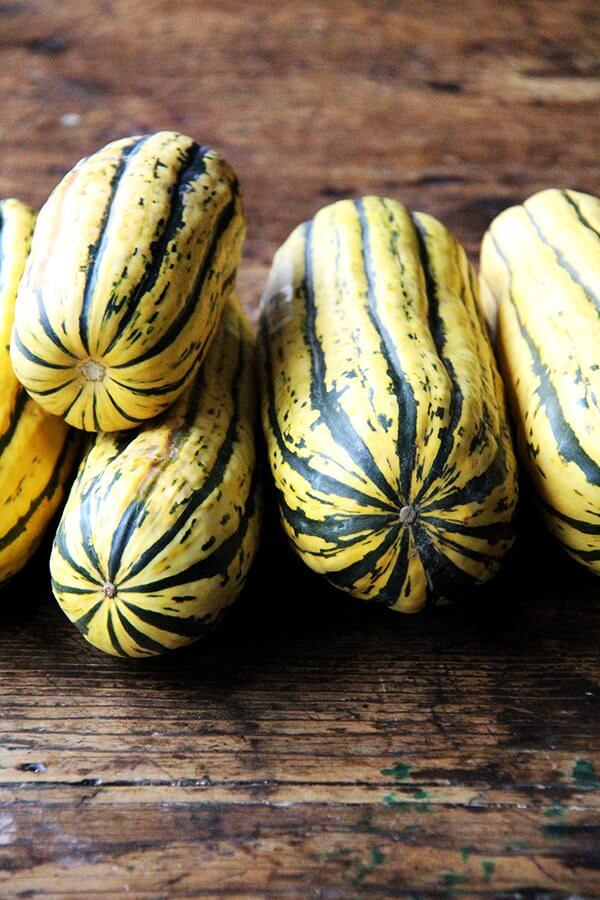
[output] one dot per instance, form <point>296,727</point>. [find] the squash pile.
<point>383,408</point>
<point>126,326</point>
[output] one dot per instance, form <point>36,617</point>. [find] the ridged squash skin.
<point>383,408</point>
<point>540,287</point>
<point>162,523</point>
<point>133,257</point>
<point>36,451</point>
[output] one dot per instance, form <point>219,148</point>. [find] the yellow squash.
<point>133,257</point>
<point>383,408</point>
<point>540,287</point>
<point>36,452</point>
<point>161,526</point>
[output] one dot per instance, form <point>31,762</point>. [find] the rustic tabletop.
<point>312,745</point>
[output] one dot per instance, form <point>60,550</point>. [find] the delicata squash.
<point>162,523</point>
<point>133,256</point>
<point>540,287</point>
<point>383,408</point>
<point>36,450</point>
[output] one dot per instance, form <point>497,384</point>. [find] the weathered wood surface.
<point>458,109</point>
<point>312,745</point>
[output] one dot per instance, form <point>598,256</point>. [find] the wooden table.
<point>312,745</point>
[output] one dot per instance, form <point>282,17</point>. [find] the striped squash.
<point>133,256</point>
<point>382,406</point>
<point>36,451</point>
<point>161,526</point>
<point>540,287</point>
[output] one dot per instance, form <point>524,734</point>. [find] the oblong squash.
<point>36,450</point>
<point>161,526</point>
<point>133,257</point>
<point>382,406</point>
<point>540,286</point>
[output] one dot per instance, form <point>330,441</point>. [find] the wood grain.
<point>312,745</point>
<point>452,108</point>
